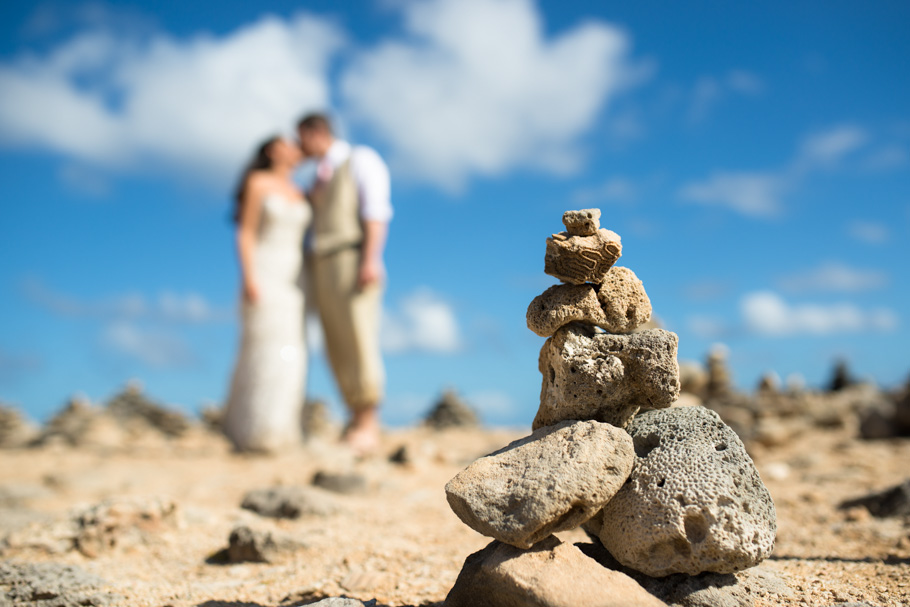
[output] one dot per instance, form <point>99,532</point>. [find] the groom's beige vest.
<point>336,213</point>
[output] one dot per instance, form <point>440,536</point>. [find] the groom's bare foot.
<point>362,433</point>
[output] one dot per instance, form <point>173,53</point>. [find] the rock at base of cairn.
<point>551,574</point>
<point>553,480</point>
<point>694,501</point>
<point>625,303</point>
<point>581,259</point>
<point>604,377</point>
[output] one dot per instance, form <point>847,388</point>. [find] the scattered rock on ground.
<point>131,407</point>
<point>15,431</point>
<point>553,480</point>
<point>451,412</point>
<point>341,482</point>
<point>894,501</point>
<point>112,524</point>
<point>342,602</point>
<point>290,502</point>
<point>249,545</point>
<point>52,585</point>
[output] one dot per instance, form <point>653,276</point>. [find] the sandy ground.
<point>399,542</point>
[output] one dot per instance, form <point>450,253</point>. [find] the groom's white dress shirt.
<point>370,173</point>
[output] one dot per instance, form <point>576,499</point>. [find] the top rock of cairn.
<point>583,253</point>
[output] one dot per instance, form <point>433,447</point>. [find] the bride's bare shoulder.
<point>260,182</point>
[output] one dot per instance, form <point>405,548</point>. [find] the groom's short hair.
<point>315,121</point>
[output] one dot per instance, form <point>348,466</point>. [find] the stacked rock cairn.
<point>666,489</point>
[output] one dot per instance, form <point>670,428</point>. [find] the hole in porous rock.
<point>720,447</point>
<point>573,370</point>
<point>552,373</point>
<point>645,444</point>
<point>696,527</point>
<point>661,482</point>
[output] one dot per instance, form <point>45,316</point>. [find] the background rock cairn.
<point>664,489</point>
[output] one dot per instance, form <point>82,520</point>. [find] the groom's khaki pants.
<point>350,321</point>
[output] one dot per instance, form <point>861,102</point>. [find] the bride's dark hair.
<point>260,162</point>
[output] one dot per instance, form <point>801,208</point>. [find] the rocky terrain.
<point>105,508</point>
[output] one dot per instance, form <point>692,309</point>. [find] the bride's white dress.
<point>266,394</point>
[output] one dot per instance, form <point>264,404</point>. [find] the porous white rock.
<point>605,377</point>
<point>553,480</point>
<point>551,574</point>
<point>624,302</point>
<point>585,222</point>
<point>694,501</point>
<point>561,304</point>
<point>581,259</point>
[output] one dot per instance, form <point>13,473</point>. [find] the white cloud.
<point>766,313</point>
<point>745,82</point>
<point>167,307</point>
<point>422,322</point>
<point>833,276</point>
<point>830,146</point>
<point>760,193</point>
<point>752,194</point>
<point>870,232</point>
<point>887,157</point>
<point>196,105</point>
<point>154,348</point>
<point>477,88</point>
<point>709,91</point>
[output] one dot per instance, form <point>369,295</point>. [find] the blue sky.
<point>754,157</point>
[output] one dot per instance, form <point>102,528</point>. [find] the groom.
<point>351,214</point>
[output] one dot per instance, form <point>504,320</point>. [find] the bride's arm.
<point>247,233</point>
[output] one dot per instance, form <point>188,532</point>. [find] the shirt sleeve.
<point>373,184</point>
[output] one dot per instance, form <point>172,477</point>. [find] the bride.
<point>266,392</point>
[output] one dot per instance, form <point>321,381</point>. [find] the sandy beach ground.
<point>168,507</point>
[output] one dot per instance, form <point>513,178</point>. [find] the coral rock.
<point>694,501</point>
<point>585,222</point>
<point>625,304</point>
<point>604,377</point>
<point>551,574</point>
<point>553,480</point>
<point>581,259</point>
<point>561,304</point>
